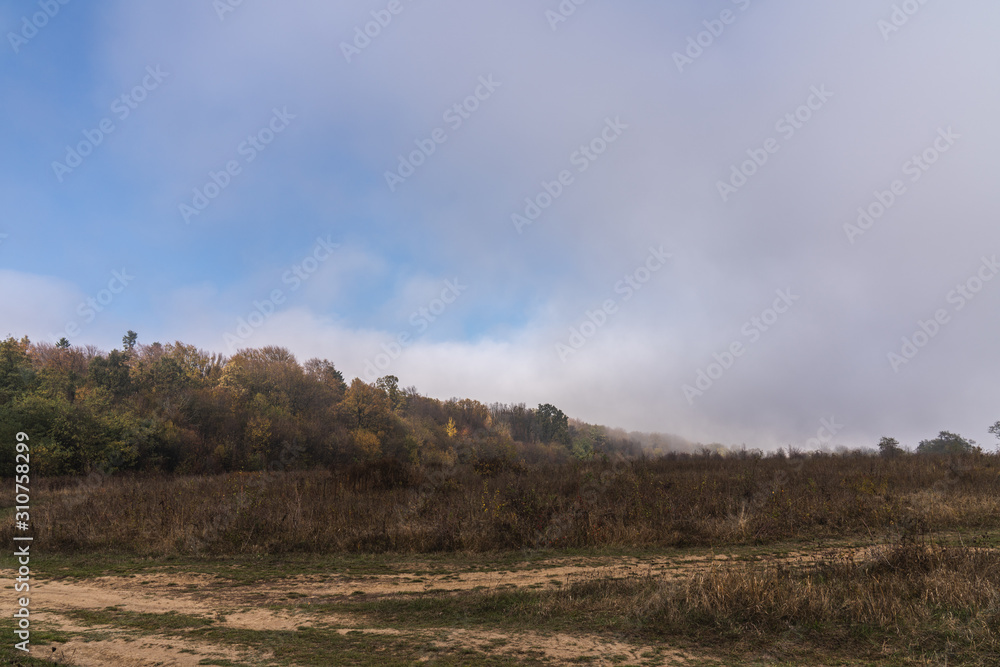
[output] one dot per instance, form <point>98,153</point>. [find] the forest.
<point>173,408</point>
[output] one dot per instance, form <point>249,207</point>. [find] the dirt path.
<point>122,649</point>
<point>245,608</point>
<point>112,620</point>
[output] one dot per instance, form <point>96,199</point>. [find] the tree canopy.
<point>172,407</point>
<point>947,443</point>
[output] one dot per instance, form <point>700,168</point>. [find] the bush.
<point>948,443</point>
<point>889,448</point>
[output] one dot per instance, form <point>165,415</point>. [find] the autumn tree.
<point>469,415</point>
<point>16,372</point>
<point>275,397</point>
<point>365,406</point>
<point>369,416</point>
<point>325,373</point>
<point>516,419</point>
<point>60,370</point>
<point>269,371</point>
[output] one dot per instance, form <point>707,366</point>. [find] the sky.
<point>737,221</point>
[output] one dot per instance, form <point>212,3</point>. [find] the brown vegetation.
<point>386,506</point>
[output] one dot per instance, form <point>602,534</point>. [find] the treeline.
<point>175,408</point>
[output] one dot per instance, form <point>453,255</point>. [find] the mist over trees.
<point>174,408</point>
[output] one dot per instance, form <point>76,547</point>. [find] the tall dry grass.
<point>382,507</point>
<point>909,602</point>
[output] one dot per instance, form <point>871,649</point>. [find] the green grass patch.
<point>145,622</point>
<point>253,569</point>
<point>321,647</point>
<point>41,643</point>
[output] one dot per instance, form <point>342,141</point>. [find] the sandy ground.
<point>245,607</point>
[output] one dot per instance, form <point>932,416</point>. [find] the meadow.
<point>744,558</point>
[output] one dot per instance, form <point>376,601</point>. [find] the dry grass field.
<point>688,560</point>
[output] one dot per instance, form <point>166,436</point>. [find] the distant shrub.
<point>889,447</point>
<point>948,443</point>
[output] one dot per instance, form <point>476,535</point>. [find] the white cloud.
<point>656,185</point>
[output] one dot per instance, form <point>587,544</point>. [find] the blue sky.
<point>540,313</point>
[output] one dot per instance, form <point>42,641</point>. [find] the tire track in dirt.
<point>245,606</point>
